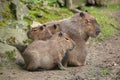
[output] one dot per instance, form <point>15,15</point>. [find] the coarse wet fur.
<point>43,33</point>
<point>48,54</point>
<point>79,27</point>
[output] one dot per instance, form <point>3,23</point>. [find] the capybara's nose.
<point>97,32</point>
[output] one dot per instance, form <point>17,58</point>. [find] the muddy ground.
<point>103,63</point>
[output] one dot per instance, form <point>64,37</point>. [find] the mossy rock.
<point>15,37</point>
<point>9,55</point>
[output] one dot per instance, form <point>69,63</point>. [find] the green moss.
<point>28,20</point>
<point>27,41</point>
<point>11,55</point>
<point>3,23</point>
<point>50,14</point>
<point>6,14</point>
<point>10,40</point>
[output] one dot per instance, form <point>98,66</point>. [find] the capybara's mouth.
<point>73,47</point>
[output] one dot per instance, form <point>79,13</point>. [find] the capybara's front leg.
<point>60,66</point>
<point>65,60</point>
<point>73,61</point>
<point>76,63</point>
<point>59,62</point>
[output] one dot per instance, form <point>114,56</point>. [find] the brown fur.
<point>39,33</point>
<point>43,33</point>
<point>48,54</point>
<point>79,27</point>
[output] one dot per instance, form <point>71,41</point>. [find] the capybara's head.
<point>92,27</point>
<point>64,41</point>
<point>89,24</point>
<point>54,28</point>
<point>39,33</point>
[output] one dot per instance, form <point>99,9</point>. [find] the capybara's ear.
<point>82,14</point>
<point>41,28</point>
<point>55,26</point>
<point>60,34</point>
<point>44,25</point>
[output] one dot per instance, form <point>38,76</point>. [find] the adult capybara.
<point>48,54</point>
<point>79,27</point>
<point>43,33</point>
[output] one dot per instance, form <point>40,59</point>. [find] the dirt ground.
<point>103,63</point>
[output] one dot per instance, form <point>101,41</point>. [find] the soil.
<point>102,63</point>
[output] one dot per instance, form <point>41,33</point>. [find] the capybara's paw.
<point>62,68</point>
<point>79,64</point>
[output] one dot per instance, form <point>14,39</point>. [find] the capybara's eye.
<point>55,26</point>
<point>66,38</point>
<point>41,28</point>
<point>44,25</point>
<point>34,30</point>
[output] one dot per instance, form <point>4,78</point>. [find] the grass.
<point>104,19</point>
<point>105,72</point>
<point>50,14</point>
<point>114,7</point>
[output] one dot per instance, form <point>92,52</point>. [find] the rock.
<point>61,3</point>
<point>35,24</point>
<point>20,9</point>
<point>90,2</point>
<point>5,13</point>
<point>101,2</point>
<point>16,37</point>
<point>10,10</point>
<point>19,24</point>
<point>8,53</point>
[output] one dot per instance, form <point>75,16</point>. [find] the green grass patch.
<point>105,21</point>
<point>105,72</point>
<point>50,14</point>
<point>114,7</point>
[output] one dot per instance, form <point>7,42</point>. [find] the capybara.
<point>79,27</point>
<point>48,54</point>
<point>43,33</point>
<point>39,33</point>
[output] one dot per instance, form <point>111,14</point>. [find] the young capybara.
<point>39,33</point>
<point>48,54</point>
<point>43,33</point>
